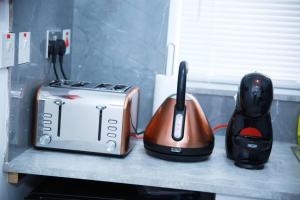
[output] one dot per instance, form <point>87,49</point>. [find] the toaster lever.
<point>59,102</point>
<point>100,108</point>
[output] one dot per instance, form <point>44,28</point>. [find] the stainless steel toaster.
<point>88,117</point>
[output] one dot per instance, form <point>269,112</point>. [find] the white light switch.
<point>7,52</point>
<point>67,39</point>
<point>24,47</point>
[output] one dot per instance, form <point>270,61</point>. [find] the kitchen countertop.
<point>279,180</point>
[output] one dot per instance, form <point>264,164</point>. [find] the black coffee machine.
<point>249,134</point>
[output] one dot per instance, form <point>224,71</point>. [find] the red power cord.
<point>137,136</point>
<point>219,126</point>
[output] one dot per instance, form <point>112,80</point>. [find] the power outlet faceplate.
<point>24,47</point>
<point>7,49</point>
<point>52,35</point>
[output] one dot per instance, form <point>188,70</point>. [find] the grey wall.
<point>284,114</point>
<point>36,17</point>
<point>121,41</point>
<point>7,191</point>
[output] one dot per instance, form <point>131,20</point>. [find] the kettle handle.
<point>181,86</point>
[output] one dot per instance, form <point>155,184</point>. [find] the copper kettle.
<point>179,130</point>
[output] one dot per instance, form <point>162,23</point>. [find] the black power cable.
<point>62,70</point>
<point>52,52</point>
<point>55,71</point>
<point>135,129</point>
<point>61,52</point>
<point>57,47</point>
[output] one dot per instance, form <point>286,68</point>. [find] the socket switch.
<point>67,39</point>
<point>24,47</point>
<point>7,50</point>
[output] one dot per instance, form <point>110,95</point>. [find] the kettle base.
<point>176,158</point>
<point>173,153</point>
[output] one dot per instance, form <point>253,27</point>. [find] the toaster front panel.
<point>83,124</point>
<point>79,121</point>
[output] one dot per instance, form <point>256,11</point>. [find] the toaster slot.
<point>66,82</point>
<point>59,103</point>
<point>100,125</point>
<point>54,84</point>
<point>63,83</point>
<point>120,88</point>
<point>104,86</point>
<point>101,108</point>
<point>59,121</point>
<point>80,84</point>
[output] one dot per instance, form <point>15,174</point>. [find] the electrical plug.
<point>53,50</point>
<point>61,45</point>
<point>61,50</point>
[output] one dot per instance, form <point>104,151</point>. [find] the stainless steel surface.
<point>83,85</point>
<point>83,119</point>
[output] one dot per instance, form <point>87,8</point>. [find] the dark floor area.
<point>73,189</point>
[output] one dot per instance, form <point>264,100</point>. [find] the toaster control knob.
<point>45,139</point>
<point>110,146</point>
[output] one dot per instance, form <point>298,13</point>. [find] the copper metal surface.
<point>35,117</point>
<point>126,141</point>
<point>197,131</point>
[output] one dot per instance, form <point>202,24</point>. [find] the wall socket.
<point>7,49</point>
<point>52,35</point>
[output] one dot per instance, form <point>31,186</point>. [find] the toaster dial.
<point>45,139</point>
<point>110,145</point>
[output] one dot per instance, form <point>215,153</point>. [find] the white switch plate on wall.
<point>67,39</point>
<point>7,50</point>
<point>24,47</point>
